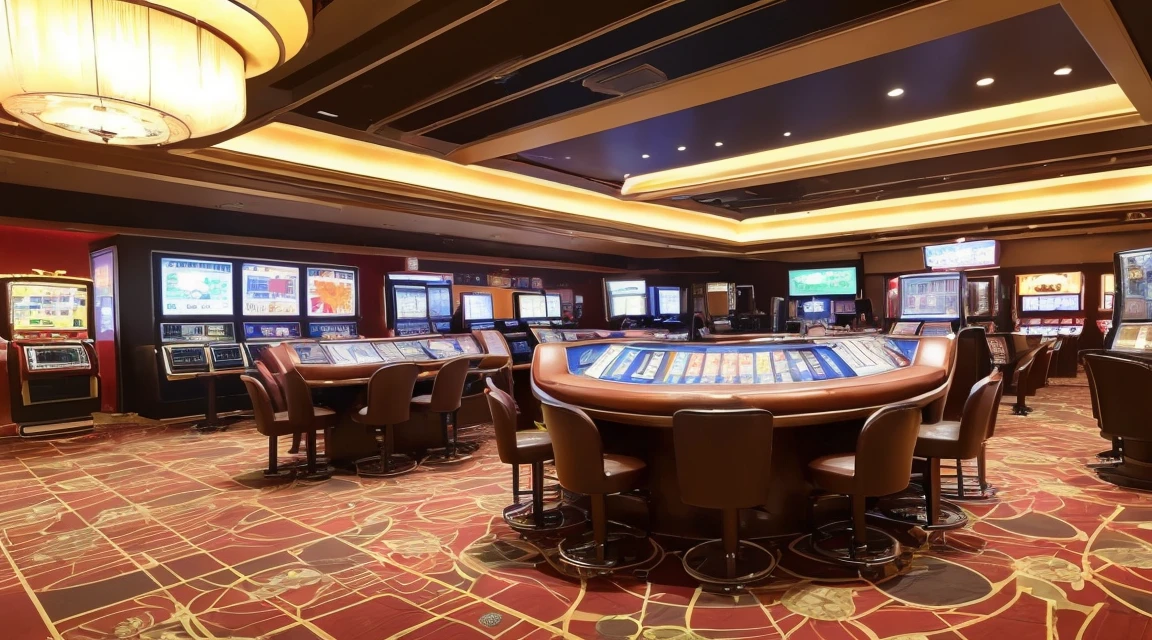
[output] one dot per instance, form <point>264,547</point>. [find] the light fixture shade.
<point>134,72</point>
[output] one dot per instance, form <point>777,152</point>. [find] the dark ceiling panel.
<point>501,35</point>
<point>1137,18</point>
<point>763,29</point>
<point>939,78</point>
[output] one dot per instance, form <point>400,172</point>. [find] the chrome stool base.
<point>445,458</point>
<point>913,510</point>
<point>625,548</point>
<point>522,519</point>
<point>836,542</point>
<point>708,563</point>
<point>399,464</point>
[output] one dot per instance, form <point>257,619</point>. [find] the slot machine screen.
<point>552,302</point>
<point>411,302</point>
<point>531,307</point>
<point>931,296</point>
<point>840,281</point>
<point>331,292</point>
<point>439,302</point>
<point>195,287</point>
<point>37,307</point>
<point>626,297</point>
<point>1135,275</point>
<point>270,290</point>
<point>668,301</point>
<point>477,306</point>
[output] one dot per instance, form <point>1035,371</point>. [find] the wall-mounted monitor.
<point>531,306</point>
<point>838,281</point>
<point>552,302</point>
<point>477,307</point>
<point>331,292</point>
<point>931,296</point>
<point>974,254</point>
<point>410,301</point>
<point>626,297</point>
<point>270,290</point>
<point>191,286</point>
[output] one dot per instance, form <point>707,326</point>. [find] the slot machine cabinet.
<point>49,359</point>
<point>1050,306</point>
<point>418,304</point>
<point>203,352</point>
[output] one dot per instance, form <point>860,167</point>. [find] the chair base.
<point>522,519</point>
<point>708,563</point>
<point>444,458</point>
<point>219,423</point>
<point>836,542</point>
<point>1021,410</point>
<point>372,467</point>
<point>281,472</point>
<point>321,472</point>
<point>1118,476</point>
<point>973,492</point>
<point>625,548</point>
<point>913,510</point>
<point>1109,454</point>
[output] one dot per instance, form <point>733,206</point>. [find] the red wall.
<point>22,250</point>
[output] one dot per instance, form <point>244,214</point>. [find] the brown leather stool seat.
<point>881,465</point>
<point>308,418</point>
<point>530,447</point>
<point>389,404</point>
<point>583,467</point>
<point>447,393</point>
<point>723,462</point>
<point>273,424</point>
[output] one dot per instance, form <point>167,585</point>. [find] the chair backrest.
<point>1023,370</point>
<point>1039,374</point>
<point>390,394</point>
<point>301,413</point>
<point>723,458</point>
<point>1120,382</point>
<point>503,409</point>
<point>979,415</point>
<point>449,385</point>
<point>884,450</point>
<point>579,454</point>
<point>276,358</point>
<point>261,406</point>
<point>1092,391</point>
<point>995,412</point>
<point>275,393</point>
<point>973,361</point>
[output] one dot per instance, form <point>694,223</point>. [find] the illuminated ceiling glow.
<point>137,72</point>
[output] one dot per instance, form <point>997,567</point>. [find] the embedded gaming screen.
<point>531,307</point>
<point>331,292</point>
<point>552,302</point>
<point>626,297</point>
<point>840,281</point>
<point>668,301</point>
<point>477,306</point>
<point>270,290</point>
<point>411,302</point>
<point>48,306</point>
<point>195,287</point>
<point>1136,270</point>
<point>933,296</point>
<point>439,302</point>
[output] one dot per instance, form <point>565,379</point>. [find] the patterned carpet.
<point>161,533</point>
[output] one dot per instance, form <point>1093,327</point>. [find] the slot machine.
<point>1050,306</point>
<point>270,295</point>
<point>933,302</point>
<point>418,304</point>
<point>53,383</point>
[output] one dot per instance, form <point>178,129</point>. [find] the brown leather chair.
<point>583,467</point>
<point>1120,381</point>
<point>389,404</point>
<point>723,462</point>
<point>307,418</point>
<point>447,392</point>
<point>269,422</point>
<point>1023,379</point>
<point>532,447</point>
<point>1043,368</point>
<point>881,466</point>
<point>973,362</point>
<point>271,369</point>
<point>1109,455</point>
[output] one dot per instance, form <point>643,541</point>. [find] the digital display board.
<point>552,301</point>
<point>839,281</point>
<point>626,297</point>
<point>962,255</point>
<point>930,296</point>
<point>531,306</point>
<point>1039,284</point>
<point>411,302</point>
<point>270,290</point>
<point>48,306</point>
<point>477,306</point>
<point>195,287</point>
<point>331,292</point>
<point>439,302</point>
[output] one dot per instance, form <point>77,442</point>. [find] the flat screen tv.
<point>531,306</point>
<point>837,281</point>
<point>270,289</point>
<point>331,292</point>
<point>191,286</point>
<point>962,255</point>
<point>930,296</point>
<point>477,306</point>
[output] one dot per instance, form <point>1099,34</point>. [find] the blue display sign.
<point>333,330</point>
<point>962,255</point>
<point>271,330</point>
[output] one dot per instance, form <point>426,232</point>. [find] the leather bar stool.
<point>532,447</point>
<point>308,419</point>
<point>1120,381</point>
<point>271,370</point>
<point>1024,379</point>
<point>949,440</point>
<point>1108,457</point>
<point>447,392</point>
<point>881,466</point>
<point>269,422</point>
<point>389,404</point>
<point>474,385</point>
<point>583,467</point>
<point>723,462</point>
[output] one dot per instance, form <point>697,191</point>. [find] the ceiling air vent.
<point>618,84</point>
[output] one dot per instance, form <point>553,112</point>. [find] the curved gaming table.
<point>819,390</point>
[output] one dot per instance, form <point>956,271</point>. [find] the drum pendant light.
<point>134,72</point>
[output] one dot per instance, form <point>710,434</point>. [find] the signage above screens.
<point>1050,291</point>
<point>933,296</point>
<point>962,255</point>
<point>838,281</point>
<point>191,286</point>
<point>331,292</point>
<point>48,307</point>
<point>626,297</point>
<point>411,302</point>
<point>270,290</point>
<point>552,302</point>
<point>531,306</point>
<point>477,307</point>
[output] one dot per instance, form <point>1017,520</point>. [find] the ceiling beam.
<point>916,26</point>
<point>1101,26</point>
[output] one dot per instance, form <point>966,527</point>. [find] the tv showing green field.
<point>840,281</point>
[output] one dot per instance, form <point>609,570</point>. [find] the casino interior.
<point>662,319</point>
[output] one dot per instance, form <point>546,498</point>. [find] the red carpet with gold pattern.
<point>163,533</point>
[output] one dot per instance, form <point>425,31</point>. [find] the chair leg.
<point>328,443</point>
<point>960,478</point>
<point>982,468</point>
<point>859,525</point>
<point>295,448</point>
<point>599,525</point>
<point>386,448</point>
<point>731,538</point>
<point>538,493</point>
<point>515,483</point>
<point>932,491</point>
<point>273,463</point>
<point>311,444</point>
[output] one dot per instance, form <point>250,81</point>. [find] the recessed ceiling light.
<point>984,82</point>
<point>1062,71</point>
<point>719,144</point>
<point>328,114</point>
<point>567,157</point>
<point>681,148</point>
<point>645,156</point>
<point>627,174</point>
<point>896,93</point>
<point>787,134</point>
